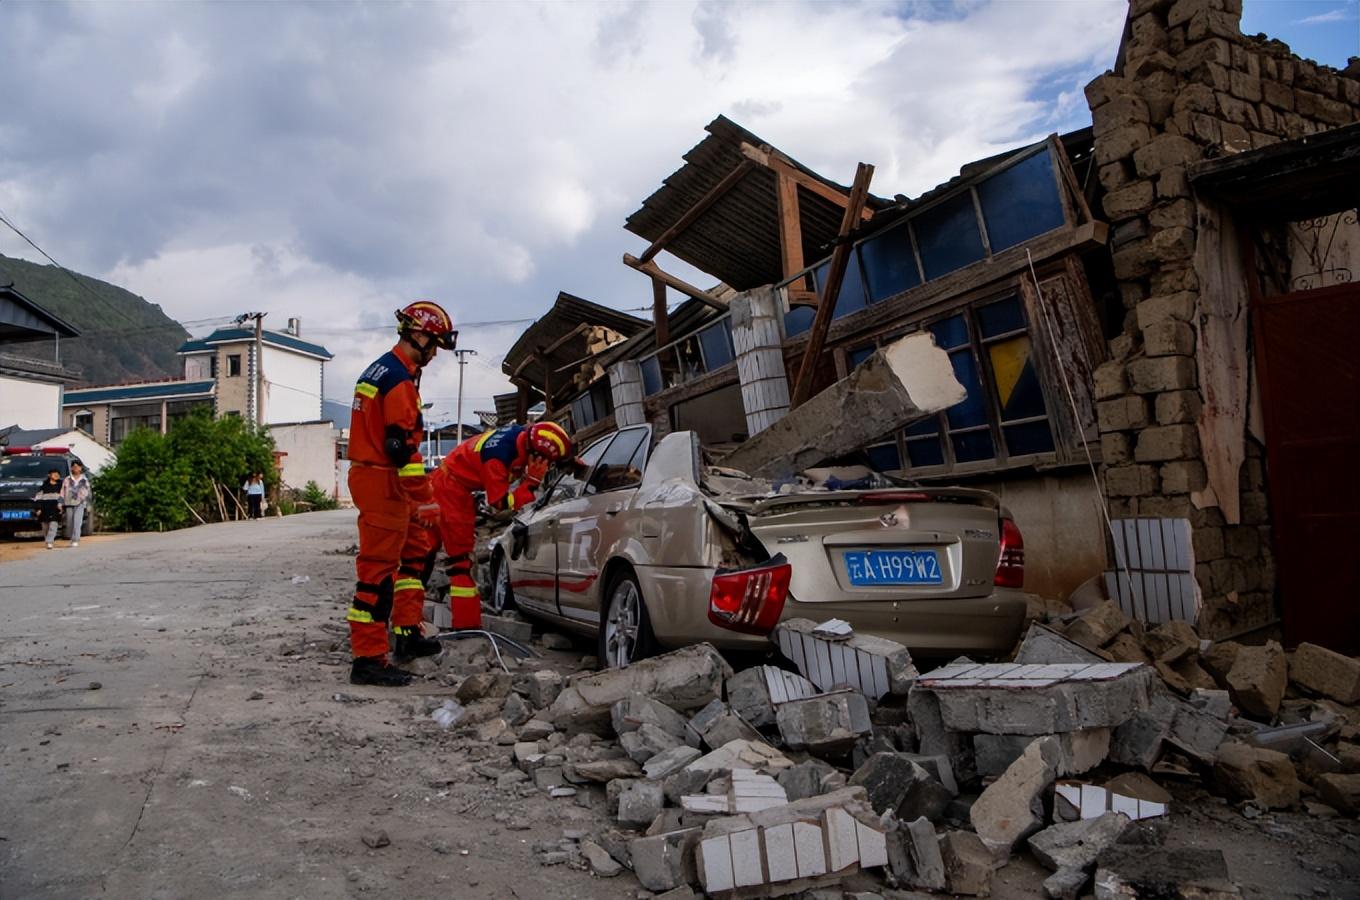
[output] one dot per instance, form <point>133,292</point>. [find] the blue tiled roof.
<point>275,338</point>
<point>155,390</point>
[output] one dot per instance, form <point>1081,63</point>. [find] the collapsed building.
<point>1143,297</point>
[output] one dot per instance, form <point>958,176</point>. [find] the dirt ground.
<point>175,721</point>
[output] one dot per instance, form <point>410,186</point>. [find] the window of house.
<point>132,419</point>
<point>592,406</point>
<point>233,365</point>
<point>889,263</point>
<point>1021,202</point>
<point>84,421</point>
<point>716,342</point>
<point>651,375</point>
<point>621,464</point>
<point>212,367</point>
<point>798,320</point>
<point>948,235</point>
<point>851,298</point>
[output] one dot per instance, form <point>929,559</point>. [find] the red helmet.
<point>549,440</point>
<point>429,317</point>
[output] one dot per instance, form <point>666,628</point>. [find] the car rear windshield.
<point>30,466</point>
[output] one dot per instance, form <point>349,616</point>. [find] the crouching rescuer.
<point>398,518</point>
<point>491,462</point>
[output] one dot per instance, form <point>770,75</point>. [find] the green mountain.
<point>122,336</point>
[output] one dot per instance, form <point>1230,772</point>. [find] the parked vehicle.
<point>654,550</point>
<point>22,471</point>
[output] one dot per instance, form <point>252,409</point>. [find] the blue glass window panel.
<point>924,427</point>
<point>948,236</point>
<point>855,357</point>
<point>950,333</point>
<point>1021,202</point>
<point>798,320</point>
<point>972,446</point>
<point>889,264</point>
<point>972,410</point>
<point>884,458</point>
<point>925,453</point>
<point>651,376</point>
<point>1001,318</point>
<point>717,343</point>
<point>851,297</point>
<point>1031,437</point>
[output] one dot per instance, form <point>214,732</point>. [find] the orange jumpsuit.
<point>387,481</point>
<point>488,462</point>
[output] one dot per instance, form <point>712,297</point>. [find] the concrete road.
<point>169,727</point>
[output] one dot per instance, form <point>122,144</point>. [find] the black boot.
<point>410,643</point>
<point>376,671</point>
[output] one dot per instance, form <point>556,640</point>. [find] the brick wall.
<point>1192,87</point>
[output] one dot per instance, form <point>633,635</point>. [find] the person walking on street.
<point>254,488</point>
<point>75,496</point>
<point>492,462</point>
<point>48,499</point>
<point>397,512</point>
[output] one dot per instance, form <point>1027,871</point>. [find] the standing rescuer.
<point>398,518</point>
<point>490,462</point>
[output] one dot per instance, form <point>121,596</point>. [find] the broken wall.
<point>1189,87</point>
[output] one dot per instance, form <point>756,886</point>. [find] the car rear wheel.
<point>502,594</point>
<point>626,633</point>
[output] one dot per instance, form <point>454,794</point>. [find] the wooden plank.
<point>660,318</point>
<point>840,260</point>
<point>651,269</point>
<point>781,165</point>
<point>801,297</point>
<point>701,206</point>
<point>790,225</point>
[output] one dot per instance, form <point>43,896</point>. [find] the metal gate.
<point>1309,364</point>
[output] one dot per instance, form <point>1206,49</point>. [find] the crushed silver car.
<point>653,549</point>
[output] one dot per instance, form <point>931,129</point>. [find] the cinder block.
<point>827,723</point>
<point>874,666</point>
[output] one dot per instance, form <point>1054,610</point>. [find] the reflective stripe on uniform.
<point>482,440</point>
<point>510,500</point>
<point>359,615</point>
<point>409,584</point>
<point>462,591</point>
<point>410,469</point>
<point>368,390</point>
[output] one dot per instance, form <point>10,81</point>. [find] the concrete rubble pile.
<point>838,766</point>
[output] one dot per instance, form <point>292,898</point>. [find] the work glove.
<point>427,514</point>
<point>535,470</point>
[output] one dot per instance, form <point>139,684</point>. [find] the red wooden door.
<point>1310,386</point>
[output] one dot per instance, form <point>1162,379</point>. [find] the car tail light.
<point>1010,565</point>
<point>894,497</point>
<point>750,600</point>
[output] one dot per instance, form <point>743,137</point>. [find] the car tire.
<point>502,594</point>
<point>625,629</point>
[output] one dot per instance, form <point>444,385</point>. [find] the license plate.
<point>15,514</point>
<point>873,567</point>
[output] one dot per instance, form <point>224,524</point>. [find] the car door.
<point>533,573</point>
<point>584,532</point>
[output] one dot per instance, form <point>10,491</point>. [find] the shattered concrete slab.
<point>872,665</point>
<point>684,680</point>
<point>717,724</point>
<point>742,754</point>
<point>896,784</point>
<point>1138,741</point>
<point>825,724</point>
<point>898,384</point>
<point>1126,872</point>
<point>1044,645</point>
<point>1077,845</point>
<point>632,712</point>
<point>1078,751</point>
<point>914,855</point>
<point>968,863</point>
<point>1012,807</point>
<point>665,862</point>
<point>1036,699</point>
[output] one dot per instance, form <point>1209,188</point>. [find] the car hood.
<point>19,488</point>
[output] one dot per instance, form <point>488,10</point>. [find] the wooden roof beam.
<point>698,209</point>
<point>781,165</point>
<point>653,271</point>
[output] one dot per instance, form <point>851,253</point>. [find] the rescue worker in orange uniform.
<point>398,518</point>
<point>490,462</point>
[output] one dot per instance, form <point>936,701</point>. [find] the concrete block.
<point>1065,884</point>
<point>1044,645</point>
<point>640,803</point>
<point>872,665</point>
<point>1212,703</point>
<point>1326,672</point>
<point>1098,625</point>
<point>1012,808</point>
<point>827,723</point>
<point>1077,845</point>
<point>1252,773</point>
<point>1339,791</point>
<point>647,741</point>
<point>665,862</point>
<point>631,713</point>
<point>1257,680</point>
<point>1078,751</point>
<point>1138,742</point>
<point>684,680</point>
<point>1139,871</point>
<point>539,687</point>
<point>514,629</point>
<point>716,724</point>
<point>668,762</point>
<point>900,383</point>
<point>896,784</point>
<point>968,864</point>
<point>603,771</point>
<point>753,693</point>
<point>810,778</point>
<point>742,755</point>
<point>934,739</point>
<point>939,768</point>
<point>914,855</point>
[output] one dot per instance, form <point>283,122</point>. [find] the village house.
<point>1129,307</point>
<point>31,387</point>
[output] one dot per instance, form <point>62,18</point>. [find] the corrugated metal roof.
<point>737,238</point>
<point>177,390</point>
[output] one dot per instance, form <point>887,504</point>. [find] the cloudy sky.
<point>334,161</point>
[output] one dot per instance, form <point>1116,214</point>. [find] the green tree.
<point>316,498</point>
<point>145,489</point>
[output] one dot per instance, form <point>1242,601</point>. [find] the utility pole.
<point>259,361</point>
<point>462,361</point>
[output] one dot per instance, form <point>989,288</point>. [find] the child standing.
<point>48,499</point>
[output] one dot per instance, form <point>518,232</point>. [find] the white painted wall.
<point>198,367</point>
<point>311,454</point>
<point>93,454</point>
<point>29,404</point>
<point>292,387</point>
